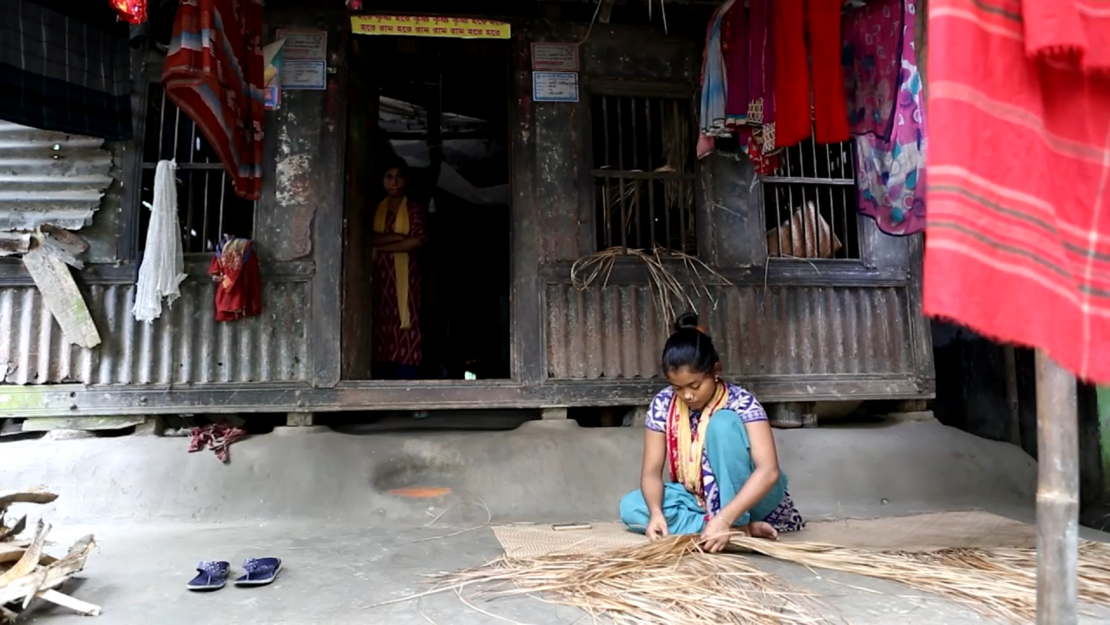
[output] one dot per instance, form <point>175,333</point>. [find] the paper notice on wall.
<point>555,86</point>
<point>304,44</point>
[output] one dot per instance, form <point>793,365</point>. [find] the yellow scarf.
<point>685,449</point>
<point>400,259</point>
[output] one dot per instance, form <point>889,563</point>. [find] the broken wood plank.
<point>8,533</point>
<point>61,296</point>
<point>10,552</point>
<point>28,562</point>
<point>78,606</point>
<point>46,424</point>
<point>8,497</point>
<point>52,576</point>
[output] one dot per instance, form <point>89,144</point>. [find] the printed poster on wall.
<point>554,57</point>
<point>303,44</point>
<point>555,86</point>
<point>424,26</point>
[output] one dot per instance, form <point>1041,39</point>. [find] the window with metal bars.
<point>643,172</point>
<point>810,203</point>
<point>207,206</point>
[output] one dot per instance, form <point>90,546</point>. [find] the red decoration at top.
<point>132,11</point>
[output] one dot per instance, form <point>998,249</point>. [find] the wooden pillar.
<point>1057,494</point>
<point>1013,403</point>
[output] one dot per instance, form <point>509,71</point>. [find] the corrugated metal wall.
<point>186,346</point>
<point>50,178</point>
<point>616,332</point>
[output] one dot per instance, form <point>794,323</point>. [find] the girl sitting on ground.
<point>725,473</point>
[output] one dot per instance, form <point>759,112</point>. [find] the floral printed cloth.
<point>891,172</point>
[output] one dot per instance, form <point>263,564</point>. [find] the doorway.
<point>439,109</point>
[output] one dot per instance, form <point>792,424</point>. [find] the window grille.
<point>810,203</point>
<point>643,172</point>
<point>207,206</point>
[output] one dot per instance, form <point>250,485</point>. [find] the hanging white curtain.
<point>163,267</point>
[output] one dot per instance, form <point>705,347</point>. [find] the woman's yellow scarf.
<point>400,259</point>
<point>685,446</point>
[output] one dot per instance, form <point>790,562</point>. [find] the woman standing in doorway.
<point>398,234</point>
<point>724,467</point>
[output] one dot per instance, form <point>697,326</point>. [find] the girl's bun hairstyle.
<point>689,347</point>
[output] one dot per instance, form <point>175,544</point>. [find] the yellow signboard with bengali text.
<point>420,26</point>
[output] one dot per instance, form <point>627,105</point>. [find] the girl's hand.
<point>715,536</point>
<point>657,527</point>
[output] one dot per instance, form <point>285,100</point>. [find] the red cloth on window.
<point>214,73</point>
<point>793,91</point>
<point>238,280</point>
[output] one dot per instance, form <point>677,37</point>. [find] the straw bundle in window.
<point>661,583</point>
<point>997,583</point>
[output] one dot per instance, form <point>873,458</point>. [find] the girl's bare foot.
<point>761,529</point>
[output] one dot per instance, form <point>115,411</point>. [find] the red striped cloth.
<point>1018,233</point>
<point>214,73</point>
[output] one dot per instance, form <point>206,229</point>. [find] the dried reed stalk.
<point>669,291</point>
<point>997,582</point>
<point>661,583</point>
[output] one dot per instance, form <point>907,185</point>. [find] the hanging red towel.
<point>1018,233</point>
<point>238,282</point>
<point>794,97</point>
<point>214,73</point>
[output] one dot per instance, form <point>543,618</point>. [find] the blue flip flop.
<point>260,571</point>
<point>211,575</point>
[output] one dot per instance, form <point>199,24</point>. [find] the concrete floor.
<point>325,503</point>
<point>335,574</point>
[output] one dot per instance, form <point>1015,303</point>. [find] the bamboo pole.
<point>1013,402</point>
<point>1057,494</point>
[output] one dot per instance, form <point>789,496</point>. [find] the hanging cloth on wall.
<point>714,85</point>
<point>794,98</point>
<point>735,48</point>
<point>60,86</point>
<point>1018,239</point>
<point>214,73</point>
<point>238,279</point>
<point>890,174</point>
<point>163,268</point>
<point>874,40</point>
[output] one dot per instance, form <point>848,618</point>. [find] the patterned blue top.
<point>739,401</point>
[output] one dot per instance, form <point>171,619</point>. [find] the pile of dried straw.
<point>673,581</point>
<point>997,583</point>
<point>664,582</point>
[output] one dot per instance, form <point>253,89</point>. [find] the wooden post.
<point>1012,400</point>
<point>1057,494</point>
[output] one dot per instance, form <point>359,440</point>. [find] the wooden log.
<point>1057,494</point>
